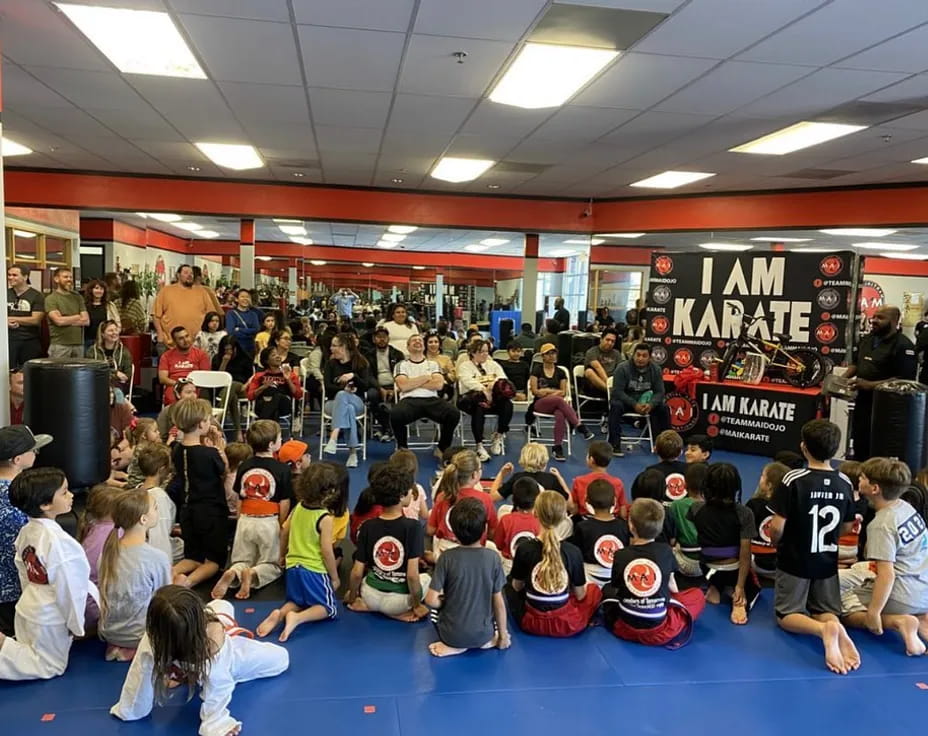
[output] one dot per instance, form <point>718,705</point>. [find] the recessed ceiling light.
<point>393,237</point>
<point>859,232</point>
<point>402,229</point>
<point>906,256</point>
<point>781,240</point>
<point>725,246</point>
<point>796,137</point>
<point>292,230</point>
<point>547,75</point>
<point>11,148</point>
<point>620,235</point>
<point>476,248</point>
<point>160,216</point>
<point>193,168</point>
<point>136,41</point>
<point>386,244</point>
<point>671,179</point>
<point>492,186</point>
<point>494,241</point>
<point>23,234</point>
<point>207,234</point>
<point>885,246</point>
<point>396,180</point>
<point>298,174</point>
<point>418,268</point>
<point>191,226</point>
<point>302,241</point>
<point>455,169</point>
<point>368,265</point>
<point>591,241</point>
<point>231,155</point>
<point>281,221</point>
<point>318,263</point>
<point>262,258</point>
<point>562,253</point>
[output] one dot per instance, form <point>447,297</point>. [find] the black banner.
<point>696,301</point>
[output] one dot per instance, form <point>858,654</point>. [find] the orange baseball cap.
<point>292,451</point>
<point>547,348</point>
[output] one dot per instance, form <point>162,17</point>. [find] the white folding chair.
<point>215,381</point>
<point>581,399</point>
<point>641,422</point>
<point>131,382</point>
<point>500,355</point>
<point>325,426</point>
<point>544,421</point>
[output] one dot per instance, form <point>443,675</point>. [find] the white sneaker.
<point>496,448</point>
<point>329,448</point>
<point>482,454</point>
<point>352,461</point>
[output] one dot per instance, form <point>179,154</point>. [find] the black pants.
<point>7,612</point>
<point>501,407</point>
<point>413,409</point>
<point>863,414</point>
<point>23,350</point>
<point>660,420</point>
<point>379,410</point>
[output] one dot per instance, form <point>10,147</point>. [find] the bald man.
<point>885,353</point>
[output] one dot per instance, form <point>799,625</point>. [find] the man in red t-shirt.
<point>178,362</point>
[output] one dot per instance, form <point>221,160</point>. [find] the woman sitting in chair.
<point>433,352</point>
<point>280,340</point>
<point>548,387</point>
<point>347,377</point>
<point>109,349</point>
<point>481,393</point>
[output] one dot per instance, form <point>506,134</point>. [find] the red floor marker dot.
<point>48,717</point>
<point>370,708</point>
<point>249,610</point>
<point>921,685</point>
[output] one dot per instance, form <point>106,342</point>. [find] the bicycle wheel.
<point>812,372</point>
<point>731,351</point>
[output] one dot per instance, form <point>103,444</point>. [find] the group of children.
<point>553,557</point>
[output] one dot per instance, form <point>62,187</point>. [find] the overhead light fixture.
<point>318,263</point>
<point>302,241</point>
<point>191,226</point>
<point>796,137</point>
<point>562,253</point>
<point>298,174</point>
<point>671,179</point>
<point>23,234</point>
<point>193,168</point>
<point>367,265</point>
<point>393,237</point>
<point>286,222</point>
<point>455,169</point>
<point>493,241</point>
<point>396,180</point>
<point>402,229</point>
<point>781,240</point>
<point>812,250</point>
<point>136,41</point>
<point>620,235</point>
<point>293,230</point>
<point>161,216</point>
<point>231,155</point>
<point>386,244</point>
<point>418,268</point>
<point>591,241</point>
<point>492,186</point>
<point>906,256</point>
<point>12,148</point>
<point>902,247</point>
<point>476,248</point>
<point>916,161</point>
<point>207,234</point>
<point>859,232</point>
<point>725,246</point>
<point>262,258</point>
<point>547,75</point>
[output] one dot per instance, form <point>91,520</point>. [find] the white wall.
<point>506,288</point>
<point>894,290</point>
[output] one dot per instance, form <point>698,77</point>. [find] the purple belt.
<point>720,553</point>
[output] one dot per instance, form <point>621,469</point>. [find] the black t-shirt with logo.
<point>641,584</point>
<point>674,472</point>
<point>262,483</point>
<point>386,546</point>
<point>23,305</point>
<point>545,479</point>
<point>600,540</point>
<point>878,359</point>
<point>525,568</point>
<point>765,553</point>
<point>815,503</point>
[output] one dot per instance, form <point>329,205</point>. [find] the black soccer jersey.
<point>815,503</point>
<point>641,583</point>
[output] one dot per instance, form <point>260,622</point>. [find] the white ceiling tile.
<point>638,81</point>
<point>347,140</point>
<point>430,69</point>
<point>169,150</point>
<point>652,129</point>
<point>266,102</point>
<point>349,107</point>
<point>275,10</point>
<point>492,119</point>
<point>374,15</point>
<point>489,19</point>
<point>481,146</point>
<point>654,6</point>
<point>575,123</point>
<point>71,123</point>
<point>905,53</point>
<point>37,33</point>
<point>296,136</point>
<point>909,89</point>
<point>837,30</point>
<point>245,50</point>
<point>22,89</point>
<point>135,122</point>
<point>918,121</point>
<point>536,150</point>
<point>426,113</point>
<point>85,88</point>
<point>403,143</point>
<point>731,85</point>
<point>351,59</point>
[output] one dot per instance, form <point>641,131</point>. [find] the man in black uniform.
<point>882,355</point>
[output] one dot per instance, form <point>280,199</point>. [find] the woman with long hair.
<point>433,344</point>
<point>347,377</point>
<point>280,341</point>
<point>315,362</point>
<point>477,377</point>
<point>99,308</point>
<point>231,358</point>
<point>132,314</point>
<point>244,321</point>
<point>400,326</point>
<point>210,334</point>
<point>270,324</point>
<point>108,348</point>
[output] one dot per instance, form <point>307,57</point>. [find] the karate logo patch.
<point>642,577</point>
<point>537,584</point>
<point>35,570</point>
<point>388,551</point>
<point>764,529</point>
<point>675,487</point>
<point>663,265</point>
<point>605,548</point>
<point>258,484</point>
<point>517,540</point>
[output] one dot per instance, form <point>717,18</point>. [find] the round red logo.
<point>831,266</point>
<point>388,551</point>
<point>824,350</point>
<point>663,265</point>
<point>826,333</point>
<point>871,299</point>
<point>642,577</point>
<point>675,487</point>
<point>683,357</point>
<point>713,419</point>
<point>713,430</point>
<point>660,325</point>
<point>605,548</point>
<point>683,412</point>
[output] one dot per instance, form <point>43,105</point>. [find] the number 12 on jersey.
<point>821,528</point>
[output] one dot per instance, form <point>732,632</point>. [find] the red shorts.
<point>571,618</point>
<point>683,610</point>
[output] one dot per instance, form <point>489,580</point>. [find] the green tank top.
<point>686,529</point>
<point>304,548</point>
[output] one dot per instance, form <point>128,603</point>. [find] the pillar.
<point>292,285</point>
<point>439,296</point>
<point>4,316</point>
<point>529,280</point>
<point>246,252</point>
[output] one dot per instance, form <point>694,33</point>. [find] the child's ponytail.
<point>456,473</point>
<point>128,508</point>
<point>551,510</point>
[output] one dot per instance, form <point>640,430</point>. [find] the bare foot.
<point>358,605</point>
<point>739,614</point>
<point>908,629</point>
<point>408,617</point>
<point>181,580</point>
<point>291,621</point>
<point>923,627</point>
<point>713,596</point>
<point>222,586</point>
<point>244,592</point>
<point>269,624</point>
<point>492,643</point>
<point>834,659</point>
<point>848,650</point>
<point>440,649</point>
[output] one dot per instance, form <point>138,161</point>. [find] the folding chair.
<point>581,399</point>
<point>500,355</point>
<point>543,420</point>
<point>325,427</point>
<point>641,422</point>
<point>215,381</point>
<point>288,424</point>
<point>131,383</point>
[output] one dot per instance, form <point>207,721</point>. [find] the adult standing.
<point>132,316</point>
<point>67,317</point>
<point>637,387</point>
<point>182,304</point>
<point>883,354</point>
<point>400,328</point>
<point>343,301</point>
<point>25,308</point>
<point>477,377</point>
<point>244,322</point>
<point>561,314</point>
<point>600,362</point>
<point>179,361</point>
<point>108,348</point>
<point>99,308</point>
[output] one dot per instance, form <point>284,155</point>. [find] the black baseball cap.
<point>18,439</point>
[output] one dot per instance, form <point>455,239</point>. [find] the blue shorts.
<point>306,588</point>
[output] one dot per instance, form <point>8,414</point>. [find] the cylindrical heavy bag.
<point>580,343</point>
<point>505,332</point>
<point>897,426</point>
<point>69,399</point>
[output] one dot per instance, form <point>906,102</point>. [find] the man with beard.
<point>883,354</point>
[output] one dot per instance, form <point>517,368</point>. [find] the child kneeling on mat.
<point>547,593</point>
<point>642,603</point>
<point>187,643</point>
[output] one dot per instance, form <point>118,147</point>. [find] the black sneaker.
<point>617,451</point>
<point>585,431</point>
<point>558,454</point>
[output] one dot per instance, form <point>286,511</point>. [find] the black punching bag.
<point>69,399</point>
<point>897,427</point>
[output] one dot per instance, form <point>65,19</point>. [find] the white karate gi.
<point>239,660</point>
<point>257,545</point>
<point>160,535</point>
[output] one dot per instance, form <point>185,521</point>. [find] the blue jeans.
<point>344,410</point>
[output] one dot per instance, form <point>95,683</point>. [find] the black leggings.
<point>501,407</point>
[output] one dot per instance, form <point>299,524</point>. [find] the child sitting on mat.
<point>849,544</point>
<point>144,433</point>
<point>533,459</point>
<point>685,540</point>
<point>598,457</point>
<point>668,446</point>
<point>155,465</point>
<point>519,525</point>
<point>600,536</point>
<point>547,592</point>
<point>763,551</point>
<point>465,593</point>
<point>698,449</point>
<point>366,507</point>
<point>407,462</point>
<point>187,643</point>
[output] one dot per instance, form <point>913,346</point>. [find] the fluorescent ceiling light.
<point>859,232</point>
<point>418,268</point>
<point>620,235</point>
<point>454,169</point>
<point>302,241</point>
<point>11,148</point>
<point>136,41</point>
<point>290,222</point>
<point>796,137</point>
<point>293,230</point>
<point>906,256</point>
<point>393,237</point>
<point>812,250</point>
<point>781,240</point>
<point>547,75</point>
<point>318,263</point>
<point>161,216</point>
<point>562,253</point>
<point>493,241</point>
<point>231,155</point>
<point>885,246</point>
<point>916,161</point>
<point>591,241</point>
<point>25,256</point>
<point>368,265</point>
<point>207,234</point>
<point>191,226</point>
<point>262,258</point>
<point>725,246</point>
<point>402,229</point>
<point>671,179</point>
<point>23,234</point>
<point>476,248</point>
<point>386,244</point>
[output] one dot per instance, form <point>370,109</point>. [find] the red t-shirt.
<point>582,483</point>
<point>440,516</point>
<point>358,519</point>
<point>512,529</point>
<point>180,365</point>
